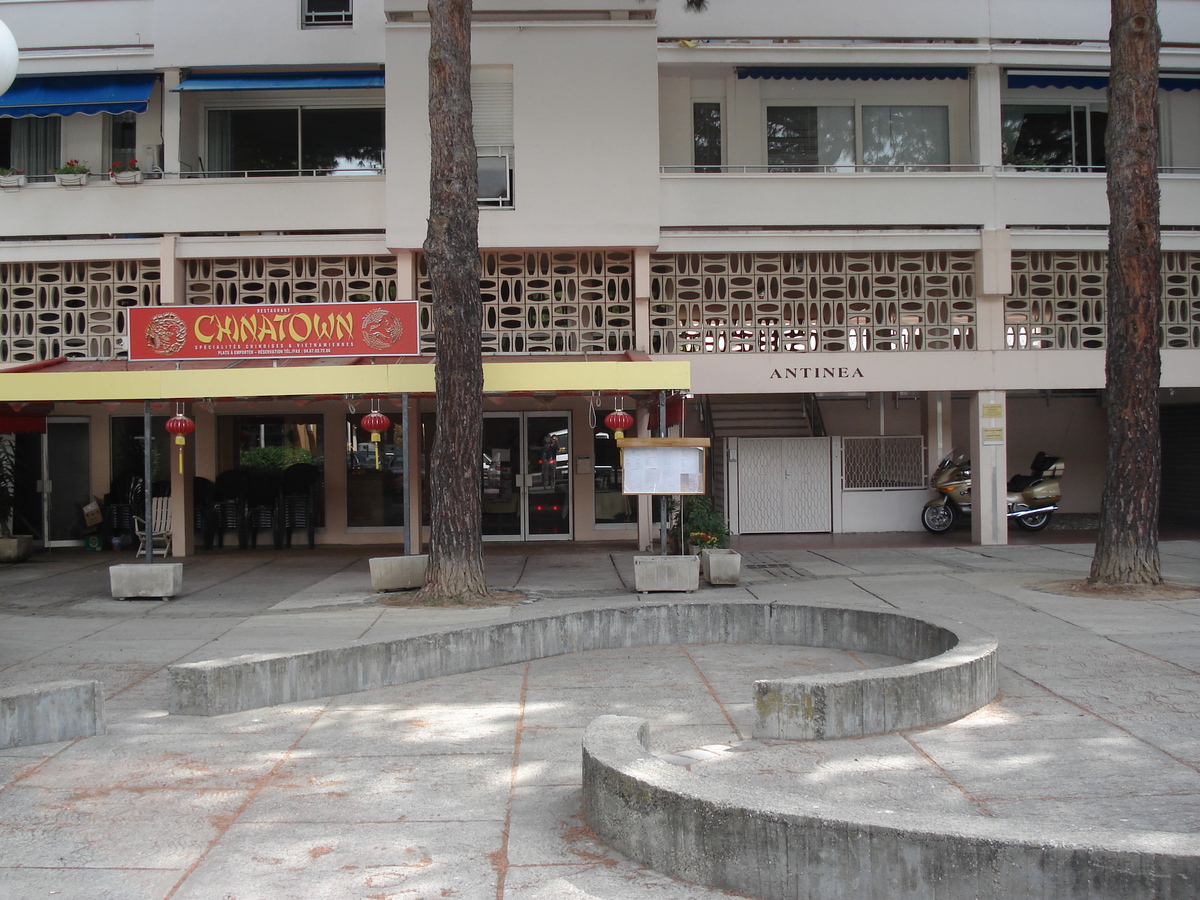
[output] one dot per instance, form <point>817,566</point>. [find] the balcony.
<point>738,197</point>
<point>171,204</point>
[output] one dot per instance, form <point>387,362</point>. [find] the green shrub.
<point>274,457</point>
<point>700,517</point>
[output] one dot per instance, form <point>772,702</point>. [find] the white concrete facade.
<point>893,274</point>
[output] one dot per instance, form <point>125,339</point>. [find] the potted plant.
<point>703,525</point>
<point>707,535</point>
<point>126,174</point>
<point>12,179</point>
<point>72,173</point>
<point>13,547</point>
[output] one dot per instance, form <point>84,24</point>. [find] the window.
<point>810,137</point>
<point>825,138</point>
<point>492,122</point>
<point>374,476</point>
<point>1054,137</point>
<point>905,136</point>
<point>290,141</point>
<point>706,137</point>
<point>326,13</point>
<point>122,139</point>
<point>30,144</point>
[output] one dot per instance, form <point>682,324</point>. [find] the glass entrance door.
<point>526,476</point>
<point>53,482</point>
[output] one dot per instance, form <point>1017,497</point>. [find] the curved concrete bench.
<point>960,677</point>
<point>785,848</point>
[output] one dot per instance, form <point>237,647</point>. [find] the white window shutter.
<point>493,119</point>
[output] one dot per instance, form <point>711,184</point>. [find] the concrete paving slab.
<point>333,861</point>
<point>1098,711</point>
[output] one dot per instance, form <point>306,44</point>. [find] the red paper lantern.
<point>180,426</point>
<point>617,421</point>
<point>376,423</point>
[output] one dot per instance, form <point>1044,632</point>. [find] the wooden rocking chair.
<point>160,527</point>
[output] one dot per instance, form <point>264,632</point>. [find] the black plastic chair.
<point>229,507</point>
<point>203,497</point>
<point>263,505</point>
<point>299,501</point>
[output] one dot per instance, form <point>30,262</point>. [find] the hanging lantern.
<point>180,426</point>
<point>376,423</point>
<point>617,421</point>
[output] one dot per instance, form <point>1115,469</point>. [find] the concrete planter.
<point>126,179</point>
<point>17,548</point>
<point>13,182</point>
<point>398,573</point>
<point>666,573</point>
<point>719,566</point>
<point>145,581</point>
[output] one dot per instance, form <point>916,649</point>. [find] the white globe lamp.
<point>8,58</point>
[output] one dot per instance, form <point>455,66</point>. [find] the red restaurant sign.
<point>257,332</point>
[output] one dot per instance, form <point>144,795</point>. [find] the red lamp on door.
<point>376,423</point>
<point>617,421</point>
<point>180,426</point>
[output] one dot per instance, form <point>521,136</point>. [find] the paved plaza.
<point>469,786</point>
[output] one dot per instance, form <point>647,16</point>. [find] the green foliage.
<point>274,457</point>
<point>700,518</point>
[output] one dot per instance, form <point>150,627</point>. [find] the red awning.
<point>10,424</point>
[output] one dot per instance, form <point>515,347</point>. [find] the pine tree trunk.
<point>1127,544</point>
<point>452,257</point>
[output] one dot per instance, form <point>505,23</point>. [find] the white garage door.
<point>784,485</point>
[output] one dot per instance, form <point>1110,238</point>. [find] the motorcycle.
<point>1031,498</point>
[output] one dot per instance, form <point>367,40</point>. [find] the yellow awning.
<point>115,381</point>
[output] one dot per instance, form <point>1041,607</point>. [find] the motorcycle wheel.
<point>939,518</point>
<point>1036,522</point>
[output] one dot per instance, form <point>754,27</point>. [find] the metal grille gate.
<point>784,485</point>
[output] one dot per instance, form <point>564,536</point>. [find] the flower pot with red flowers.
<point>126,174</point>
<point>72,173</point>
<point>12,179</point>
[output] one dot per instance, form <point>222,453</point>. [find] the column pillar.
<point>641,299</point>
<point>936,427</point>
<point>645,532</point>
<point>986,84</point>
<point>995,284</point>
<point>172,123</point>
<point>183,498</point>
<point>333,440</point>
<point>989,469</point>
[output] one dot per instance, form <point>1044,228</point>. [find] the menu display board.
<point>663,465</point>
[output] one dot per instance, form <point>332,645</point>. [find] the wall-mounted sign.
<point>256,332</point>
<point>991,410</point>
<point>663,465</point>
<point>993,436</point>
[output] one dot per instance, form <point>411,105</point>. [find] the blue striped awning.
<point>855,73</point>
<point>281,81</point>
<point>65,95</point>
<point>1020,78</point>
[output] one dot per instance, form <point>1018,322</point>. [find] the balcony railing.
<point>840,169</point>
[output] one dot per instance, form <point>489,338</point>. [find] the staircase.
<point>763,415</point>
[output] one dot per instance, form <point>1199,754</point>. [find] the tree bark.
<point>452,256</point>
<point>1127,544</point>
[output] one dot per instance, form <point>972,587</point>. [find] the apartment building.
<point>840,241</point>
